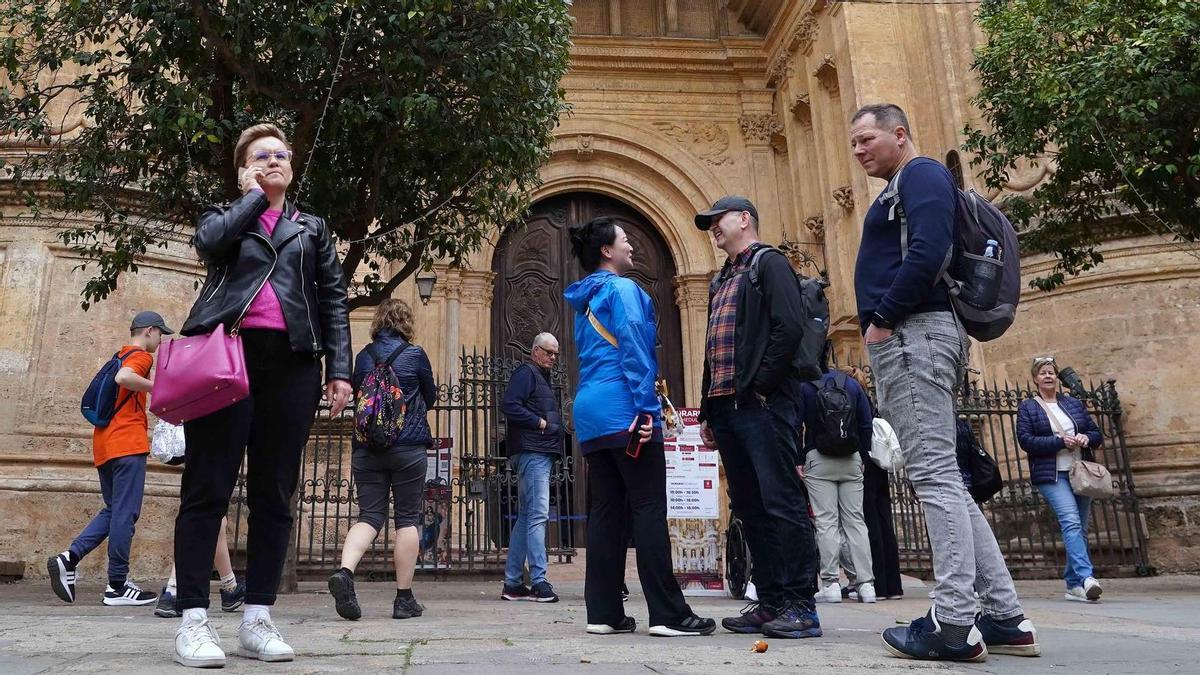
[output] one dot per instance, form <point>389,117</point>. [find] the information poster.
<point>693,509</point>
<point>434,552</point>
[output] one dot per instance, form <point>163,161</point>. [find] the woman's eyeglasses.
<point>265,156</point>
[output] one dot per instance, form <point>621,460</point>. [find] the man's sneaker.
<point>1020,640</point>
<point>406,608</point>
<point>129,595</point>
<point>231,600</point>
<point>518,592</point>
<point>1076,594</point>
<point>794,621</point>
<point>62,577</point>
<point>197,646</point>
<point>542,591</point>
<point>1091,589</point>
<point>261,640</point>
<point>166,605</point>
<point>627,625</point>
<point>692,625</point>
<point>831,593</point>
<point>754,615</point>
<point>866,593</point>
<point>923,639</point>
<point>341,587</point>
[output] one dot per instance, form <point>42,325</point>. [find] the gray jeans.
<point>835,490</point>
<point>916,371</point>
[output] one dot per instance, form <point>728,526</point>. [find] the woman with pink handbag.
<point>276,284</point>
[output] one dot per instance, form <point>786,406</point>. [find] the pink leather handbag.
<point>199,375</point>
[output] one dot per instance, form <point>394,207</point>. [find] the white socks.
<point>254,612</point>
<point>228,583</point>
<point>172,585</point>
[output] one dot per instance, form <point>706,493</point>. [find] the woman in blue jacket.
<point>1055,431</point>
<point>615,336</point>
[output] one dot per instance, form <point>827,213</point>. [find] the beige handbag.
<point>1088,479</point>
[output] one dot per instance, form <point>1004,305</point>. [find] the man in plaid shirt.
<point>750,410</point>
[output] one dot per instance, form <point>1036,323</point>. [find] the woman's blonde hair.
<point>396,315</point>
<point>1036,366</point>
<point>253,134</point>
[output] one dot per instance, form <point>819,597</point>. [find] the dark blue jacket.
<point>415,376</point>
<point>810,413</point>
<point>1036,436</point>
<point>528,400</point>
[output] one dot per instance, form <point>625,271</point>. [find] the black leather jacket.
<point>299,261</point>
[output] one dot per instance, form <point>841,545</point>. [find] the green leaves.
<point>1108,89</point>
<point>435,105</point>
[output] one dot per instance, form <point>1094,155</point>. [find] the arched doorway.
<point>533,266</point>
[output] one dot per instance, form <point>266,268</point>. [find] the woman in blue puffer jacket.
<point>1055,431</point>
<point>615,336</point>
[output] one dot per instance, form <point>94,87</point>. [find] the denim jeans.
<point>916,371</point>
<point>528,540</point>
<point>122,483</point>
<point>1072,511</point>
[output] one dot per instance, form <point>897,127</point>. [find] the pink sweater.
<point>265,311</point>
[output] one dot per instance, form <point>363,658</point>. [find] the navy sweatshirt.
<point>811,414</point>
<point>884,284</point>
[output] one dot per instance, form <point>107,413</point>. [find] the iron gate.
<point>470,492</point>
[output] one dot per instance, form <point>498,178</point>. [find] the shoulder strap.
<point>121,357</point>
<point>892,194</point>
<point>396,352</point>
<point>1051,416</point>
<point>604,332</point>
<point>754,262</point>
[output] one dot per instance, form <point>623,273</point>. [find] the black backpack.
<point>984,280</point>
<point>985,479</point>
<point>815,318</point>
<point>837,427</point>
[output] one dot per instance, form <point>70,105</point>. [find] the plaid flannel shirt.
<point>722,321</point>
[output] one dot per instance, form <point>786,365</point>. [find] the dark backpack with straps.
<point>837,426</point>
<point>102,399</point>
<point>984,279</point>
<point>380,403</point>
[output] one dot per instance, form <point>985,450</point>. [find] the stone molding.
<point>759,128</point>
<point>844,197</point>
<point>780,69</point>
<point>706,140</point>
<point>583,145</point>
<point>801,109</point>
<point>826,74</point>
<point>816,225</point>
<point>804,34</point>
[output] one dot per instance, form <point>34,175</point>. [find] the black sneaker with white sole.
<point>542,591</point>
<point>692,625</point>
<point>129,595</point>
<point>62,577</point>
<point>626,625</point>
<point>518,592</point>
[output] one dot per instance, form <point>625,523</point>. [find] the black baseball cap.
<point>724,205</point>
<point>149,319</point>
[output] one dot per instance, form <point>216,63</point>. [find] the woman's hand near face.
<point>250,179</point>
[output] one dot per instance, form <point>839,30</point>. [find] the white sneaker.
<point>831,593</point>
<point>1091,589</point>
<point>261,640</point>
<point>866,593</point>
<point>197,645</point>
<point>1076,594</point>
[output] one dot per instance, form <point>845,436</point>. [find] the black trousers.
<point>758,447</point>
<point>877,511</point>
<point>630,495</point>
<point>270,428</point>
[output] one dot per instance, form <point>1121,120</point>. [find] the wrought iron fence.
<point>470,491</point>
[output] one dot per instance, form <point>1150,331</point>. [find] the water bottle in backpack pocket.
<point>103,397</point>
<point>980,276</point>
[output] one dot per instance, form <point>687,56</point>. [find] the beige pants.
<point>835,490</point>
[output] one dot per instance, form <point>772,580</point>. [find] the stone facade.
<point>675,103</point>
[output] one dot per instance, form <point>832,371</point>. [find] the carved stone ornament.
<point>844,197</point>
<point>706,140</point>
<point>779,143</point>
<point>826,74</point>
<point>804,34</point>
<point>583,146</point>
<point>802,110</point>
<point>780,69</point>
<point>816,225</point>
<point>759,127</point>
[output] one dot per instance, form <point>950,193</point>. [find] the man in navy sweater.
<point>918,351</point>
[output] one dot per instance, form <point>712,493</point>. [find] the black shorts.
<point>400,470</point>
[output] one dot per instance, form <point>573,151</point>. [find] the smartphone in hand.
<point>634,447</point>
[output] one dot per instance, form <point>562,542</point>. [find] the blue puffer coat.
<point>1036,436</point>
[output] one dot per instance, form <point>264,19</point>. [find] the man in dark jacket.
<point>750,410</point>
<point>535,439</point>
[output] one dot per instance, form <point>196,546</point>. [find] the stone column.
<point>691,295</point>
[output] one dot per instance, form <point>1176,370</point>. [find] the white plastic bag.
<point>167,444</point>
<point>885,446</point>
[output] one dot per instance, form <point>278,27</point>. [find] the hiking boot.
<point>62,576</point>
<point>692,625</point>
<point>261,640</point>
<point>794,621</point>
<point>1019,640</point>
<point>129,595</point>
<point>753,616</point>
<point>518,592</point>
<point>166,605</point>
<point>341,587</point>
<point>231,600</point>
<point>1091,589</point>
<point>542,591</point>
<point>406,608</point>
<point>831,593</point>
<point>197,646</point>
<point>923,639</point>
<point>627,625</point>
